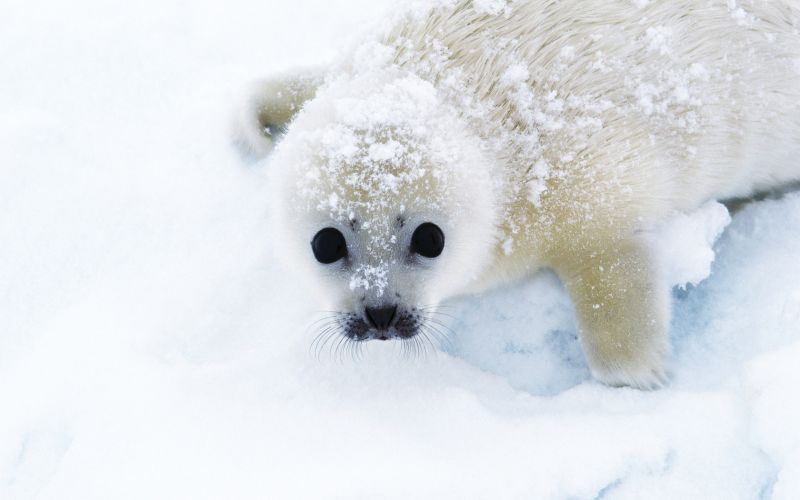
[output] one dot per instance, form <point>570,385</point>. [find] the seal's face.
<point>388,304</point>
<point>382,197</point>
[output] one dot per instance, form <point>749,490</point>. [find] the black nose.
<point>381,317</point>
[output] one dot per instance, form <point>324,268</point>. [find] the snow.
<point>685,242</point>
<point>491,7</point>
<point>151,348</point>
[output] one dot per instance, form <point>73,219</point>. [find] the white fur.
<point>539,133</point>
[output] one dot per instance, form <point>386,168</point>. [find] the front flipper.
<point>270,105</point>
<point>622,304</point>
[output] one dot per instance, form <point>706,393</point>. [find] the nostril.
<point>381,317</point>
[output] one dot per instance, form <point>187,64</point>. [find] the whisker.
<point>429,341</point>
<point>330,343</point>
<point>322,339</point>
<point>436,306</point>
<point>321,332</point>
<point>430,335</point>
<point>435,310</point>
<point>319,329</point>
<point>444,336</point>
<point>355,350</point>
<point>337,355</point>
<point>320,320</point>
<point>406,349</point>
<point>445,340</point>
<point>423,347</point>
<point>422,340</point>
<point>441,324</point>
<point>347,349</point>
<point>440,313</point>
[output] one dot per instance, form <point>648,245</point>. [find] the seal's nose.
<point>381,317</point>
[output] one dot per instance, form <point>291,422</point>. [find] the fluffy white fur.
<point>535,133</point>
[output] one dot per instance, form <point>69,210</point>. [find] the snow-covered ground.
<point>150,347</point>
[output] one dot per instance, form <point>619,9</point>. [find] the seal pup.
<point>471,143</point>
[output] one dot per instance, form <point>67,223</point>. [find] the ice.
<point>150,347</point>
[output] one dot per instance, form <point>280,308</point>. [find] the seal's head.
<point>382,196</point>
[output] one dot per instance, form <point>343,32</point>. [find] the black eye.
<point>329,245</point>
<point>427,240</point>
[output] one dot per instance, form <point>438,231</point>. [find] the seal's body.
<point>530,134</point>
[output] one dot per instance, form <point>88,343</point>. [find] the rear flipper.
<point>270,105</point>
